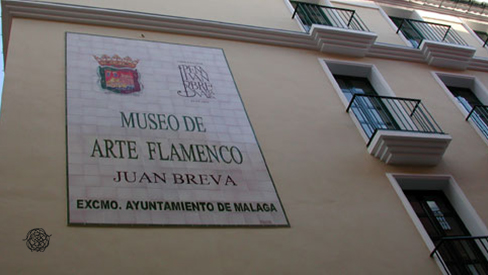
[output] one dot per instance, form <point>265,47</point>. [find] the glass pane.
<point>370,111</point>
<point>438,215</point>
<point>465,96</point>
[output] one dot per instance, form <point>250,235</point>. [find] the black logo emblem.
<point>37,240</point>
<point>196,82</point>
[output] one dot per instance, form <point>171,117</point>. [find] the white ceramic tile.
<point>94,114</point>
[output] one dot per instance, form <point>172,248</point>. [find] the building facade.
<point>244,137</point>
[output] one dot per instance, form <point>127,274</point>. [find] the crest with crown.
<point>118,75</point>
<point>116,61</point>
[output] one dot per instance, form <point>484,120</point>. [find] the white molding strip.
<point>206,28</point>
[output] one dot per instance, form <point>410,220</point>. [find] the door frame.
<point>454,194</point>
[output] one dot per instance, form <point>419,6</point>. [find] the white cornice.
<point>205,28</point>
<point>396,52</point>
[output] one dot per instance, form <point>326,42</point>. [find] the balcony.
<point>310,14</point>
<point>462,255</point>
<point>440,44</point>
<point>417,31</point>
<point>335,30</point>
<point>479,116</point>
<point>400,130</point>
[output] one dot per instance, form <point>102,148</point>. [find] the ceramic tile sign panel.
<point>157,134</point>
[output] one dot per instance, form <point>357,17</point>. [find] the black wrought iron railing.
<point>462,255</point>
<point>417,31</point>
<point>479,115</point>
<point>310,14</point>
<point>392,113</point>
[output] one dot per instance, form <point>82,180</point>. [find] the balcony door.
<point>410,31</point>
<point>441,220</point>
<point>312,14</point>
<point>371,111</point>
<point>468,100</point>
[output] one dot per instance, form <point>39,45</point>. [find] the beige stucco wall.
<point>270,13</point>
<point>345,217</point>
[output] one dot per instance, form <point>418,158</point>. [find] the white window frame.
<point>453,192</point>
<point>356,69</point>
<point>463,81</point>
<point>470,27</point>
<point>405,13</point>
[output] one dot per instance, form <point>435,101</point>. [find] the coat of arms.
<point>118,74</point>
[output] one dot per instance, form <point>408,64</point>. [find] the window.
<point>364,81</point>
<point>411,33</point>
<point>309,14</point>
<point>477,111</point>
<point>470,95</point>
<point>396,130</point>
<point>435,203</point>
<point>371,111</point>
<point>369,98</point>
<point>416,30</point>
<point>465,97</point>
<point>440,220</point>
<point>483,36</point>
